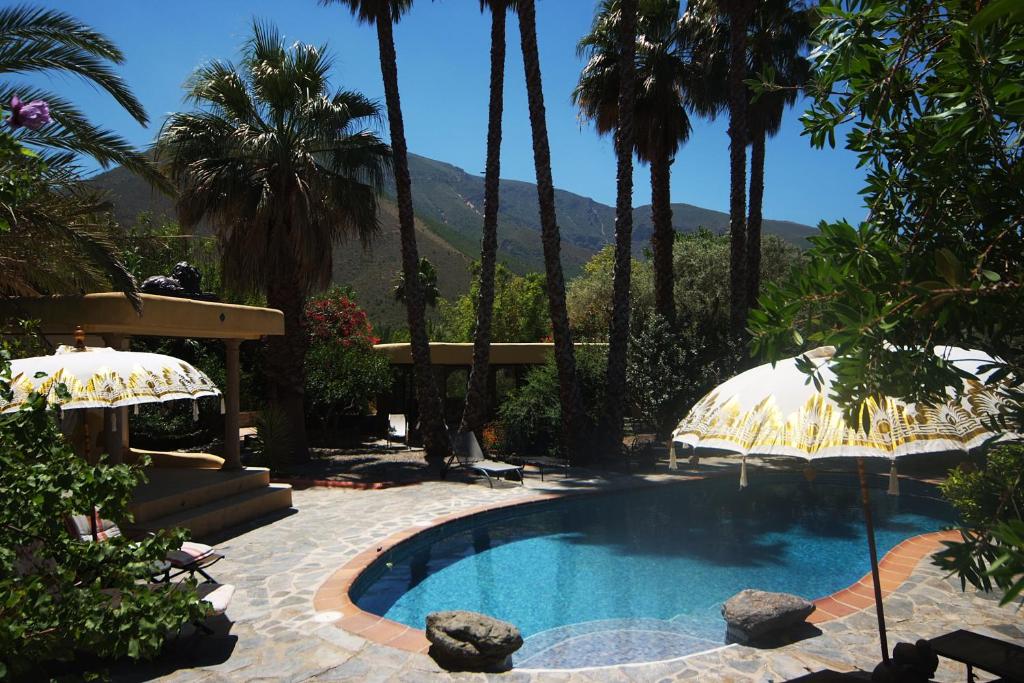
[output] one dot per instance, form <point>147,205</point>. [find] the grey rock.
<point>469,641</point>
<point>753,614</point>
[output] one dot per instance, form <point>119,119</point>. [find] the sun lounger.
<point>466,453</point>
<point>397,430</point>
<point>981,652</point>
<point>191,558</point>
<point>217,596</point>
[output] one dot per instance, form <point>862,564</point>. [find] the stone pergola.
<point>110,316</point>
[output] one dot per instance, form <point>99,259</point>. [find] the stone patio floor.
<point>276,635</point>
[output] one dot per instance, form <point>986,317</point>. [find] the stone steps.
<point>206,501</point>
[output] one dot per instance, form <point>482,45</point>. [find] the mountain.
<point>449,212</point>
<point>450,201</point>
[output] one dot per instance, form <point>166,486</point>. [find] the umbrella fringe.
<point>894,481</point>
<point>743,473</point>
<point>195,411</point>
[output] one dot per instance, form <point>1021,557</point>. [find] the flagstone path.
<point>278,635</point>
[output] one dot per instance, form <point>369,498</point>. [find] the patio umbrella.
<point>777,410</point>
<point>105,378</point>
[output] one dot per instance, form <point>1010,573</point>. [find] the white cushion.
<point>218,595</point>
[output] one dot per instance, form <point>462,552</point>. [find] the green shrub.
<point>56,590</point>
<point>343,380</point>
<point>992,494</point>
<point>532,416</point>
<point>990,502</point>
<point>668,370</point>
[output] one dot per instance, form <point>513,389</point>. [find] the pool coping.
<point>333,594</point>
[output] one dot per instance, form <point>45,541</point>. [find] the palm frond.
<point>369,11</point>
<point>49,40</point>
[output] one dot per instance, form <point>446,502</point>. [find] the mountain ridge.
<point>448,203</point>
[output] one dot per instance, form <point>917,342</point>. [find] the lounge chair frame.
<point>467,454</point>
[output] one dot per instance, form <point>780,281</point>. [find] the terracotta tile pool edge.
<point>333,594</point>
<point>895,567</point>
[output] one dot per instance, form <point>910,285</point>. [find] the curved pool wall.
<point>640,575</point>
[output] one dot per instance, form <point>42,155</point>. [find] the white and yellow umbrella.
<point>105,378</point>
<point>776,410</point>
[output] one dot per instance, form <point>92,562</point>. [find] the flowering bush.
<point>337,317</point>
<point>343,372</point>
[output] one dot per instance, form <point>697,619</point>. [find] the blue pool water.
<point>641,575</point>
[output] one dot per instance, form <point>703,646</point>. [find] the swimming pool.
<point>640,575</point>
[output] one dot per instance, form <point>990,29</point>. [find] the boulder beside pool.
<point>753,614</point>
<point>469,641</point>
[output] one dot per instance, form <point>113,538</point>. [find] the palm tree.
<point>428,281</point>
<point>53,43</point>
<point>615,30</point>
<point>383,14</point>
<point>283,167</point>
<point>779,32</point>
<point>660,119</point>
<point>716,33</point>
<point>475,408</point>
<point>565,357</point>
<point>56,234</point>
<point>739,12</point>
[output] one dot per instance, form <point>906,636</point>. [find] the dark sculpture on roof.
<point>184,282</point>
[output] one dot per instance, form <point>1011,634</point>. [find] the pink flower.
<point>33,115</point>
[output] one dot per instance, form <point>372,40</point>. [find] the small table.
<point>988,654</point>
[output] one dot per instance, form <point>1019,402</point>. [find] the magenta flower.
<point>33,115</point>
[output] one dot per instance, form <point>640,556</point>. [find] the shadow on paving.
<point>191,650</point>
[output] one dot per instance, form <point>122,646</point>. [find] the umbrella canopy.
<point>778,410</point>
<point>105,378</point>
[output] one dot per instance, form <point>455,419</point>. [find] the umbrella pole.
<point>879,610</point>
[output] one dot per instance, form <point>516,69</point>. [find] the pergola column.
<point>232,450</point>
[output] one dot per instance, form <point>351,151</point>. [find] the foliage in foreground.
<point>990,501</point>
<point>56,234</point>
<point>63,598</point>
<point>932,94</point>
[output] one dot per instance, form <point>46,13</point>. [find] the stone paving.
<point>277,635</point>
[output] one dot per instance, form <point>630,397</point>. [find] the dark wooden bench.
<point>983,652</point>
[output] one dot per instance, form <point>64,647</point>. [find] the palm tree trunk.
<point>663,236</point>
<point>435,439</point>
<point>754,219</point>
<point>286,354</point>
<point>475,410</point>
<point>739,13</point>
<point>565,358</point>
<point>618,334</point>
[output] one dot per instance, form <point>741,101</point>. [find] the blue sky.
<point>443,53</point>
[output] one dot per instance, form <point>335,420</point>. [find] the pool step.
<point>609,642</point>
